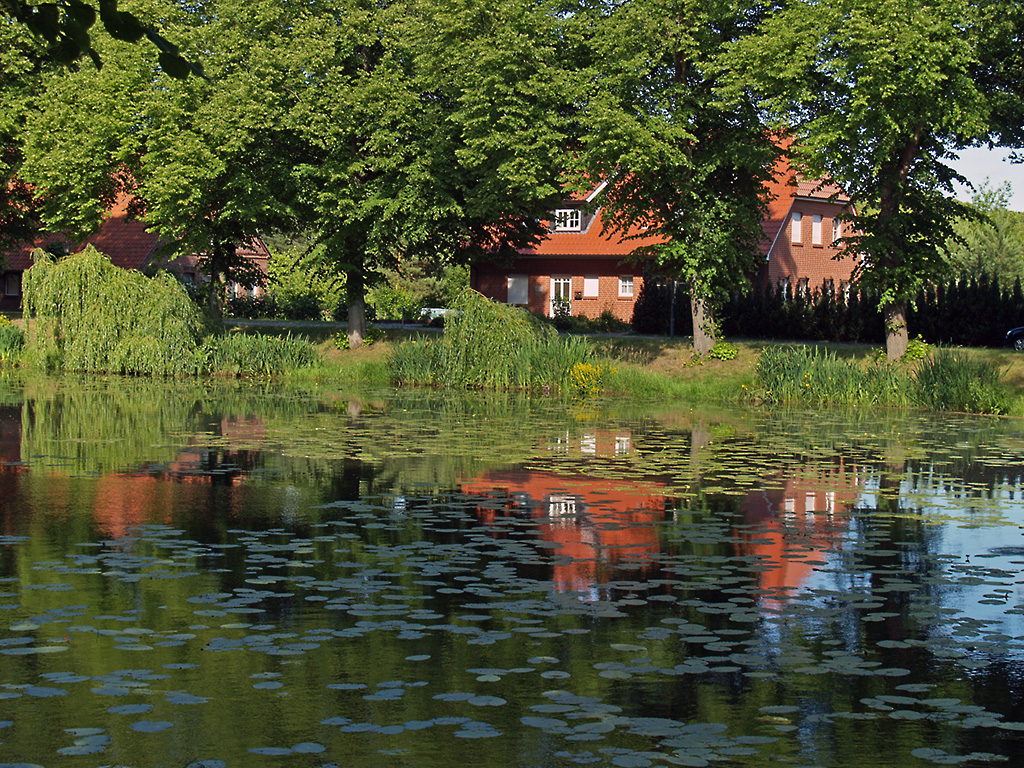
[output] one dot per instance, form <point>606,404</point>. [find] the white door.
<point>561,293</point>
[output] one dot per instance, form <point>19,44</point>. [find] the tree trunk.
<point>356,308</point>
<point>703,325</point>
<point>216,268</point>
<point>896,338</point>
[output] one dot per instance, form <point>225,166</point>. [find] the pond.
<point>216,574</point>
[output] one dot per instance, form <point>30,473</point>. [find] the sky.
<point>981,163</point>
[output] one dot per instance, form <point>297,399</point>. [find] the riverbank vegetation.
<point>84,314</point>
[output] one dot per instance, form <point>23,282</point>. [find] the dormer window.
<point>568,220</point>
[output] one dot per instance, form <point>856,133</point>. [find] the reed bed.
<point>946,380</point>
<point>487,345</point>
<point>242,354</point>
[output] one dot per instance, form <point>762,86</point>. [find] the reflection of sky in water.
<point>975,553</point>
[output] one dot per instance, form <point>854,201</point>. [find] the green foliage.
<point>11,341</point>
<point>85,314</point>
<point>303,283</point>
<point>993,245</point>
<point>951,381</point>
<point>722,350</point>
<point>372,336</point>
<point>807,375</point>
<point>65,25</point>
<point>917,349</point>
<point>947,380</point>
<point>255,355</point>
<point>392,301</point>
<point>487,345</point>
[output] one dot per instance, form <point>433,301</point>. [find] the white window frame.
<point>837,229</point>
<point>796,235</point>
<point>626,286</point>
<point>816,229</point>
<point>12,284</point>
<point>568,220</point>
<point>591,287</point>
<point>518,289</point>
<point>560,282</point>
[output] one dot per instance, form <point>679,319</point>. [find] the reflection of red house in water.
<point>124,501</point>
<point>794,524</point>
<point>596,522</point>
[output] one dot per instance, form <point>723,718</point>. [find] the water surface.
<point>232,575</point>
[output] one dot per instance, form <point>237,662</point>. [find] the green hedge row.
<point>974,312</point>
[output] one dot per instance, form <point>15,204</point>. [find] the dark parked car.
<point>1015,338</point>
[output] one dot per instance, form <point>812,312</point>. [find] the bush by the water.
<point>487,345</point>
<point>11,340</point>
<point>951,381</point>
<point>241,354</point>
<point>85,314</point>
<point>945,381</point>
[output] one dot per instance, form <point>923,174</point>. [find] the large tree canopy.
<point>680,162</point>
<point>878,95</point>
<point>209,162</point>
<point>65,27</point>
<point>436,128</point>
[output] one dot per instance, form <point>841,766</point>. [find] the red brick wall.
<point>794,261</point>
<point>492,281</point>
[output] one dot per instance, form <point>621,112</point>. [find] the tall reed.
<point>951,381</point>
<point>487,345</point>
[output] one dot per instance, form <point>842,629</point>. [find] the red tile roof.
<point>594,241</point>
<point>123,239</point>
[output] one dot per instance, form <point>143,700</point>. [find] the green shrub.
<point>917,349</point>
<point>487,345</point>
<point>722,350</point>
<point>12,340</point>
<point>951,381</point>
<point>85,314</point>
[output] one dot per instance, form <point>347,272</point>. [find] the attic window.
<point>816,229</point>
<point>568,220</point>
<point>797,219</point>
<point>837,229</point>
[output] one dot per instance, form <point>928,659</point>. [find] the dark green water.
<point>212,575</point>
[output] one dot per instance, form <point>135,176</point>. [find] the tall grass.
<point>951,381</point>
<point>945,381</point>
<point>241,354</point>
<point>487,345</point>
<point>12,340</point>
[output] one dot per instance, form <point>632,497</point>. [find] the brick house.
<point>577,264</point>
<point>589,271</point>
<point>125,240</point>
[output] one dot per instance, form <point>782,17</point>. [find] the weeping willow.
<point>85,314</point>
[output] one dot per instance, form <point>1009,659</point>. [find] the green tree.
<point>208,160</point>
<point>65,25</point>
<point>679,161</point>
<point>437,129</point>
<point>20,77</point>
<point>992,246</point>
<point>878,95</point>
